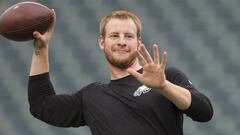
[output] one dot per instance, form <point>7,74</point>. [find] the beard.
<point>122,62</point>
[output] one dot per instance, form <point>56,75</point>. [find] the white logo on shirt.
<point>189,81</point>
<point>141,90</point>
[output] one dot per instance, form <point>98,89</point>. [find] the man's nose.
<point>122,42</point>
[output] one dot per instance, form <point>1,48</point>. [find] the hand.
<point>153,75</point>
<point>42,40</point>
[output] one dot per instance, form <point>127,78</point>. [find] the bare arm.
<point>40,62</point>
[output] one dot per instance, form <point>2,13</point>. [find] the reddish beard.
<point>122,63</point>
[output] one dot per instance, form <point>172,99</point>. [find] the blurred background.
<point>202,38</point>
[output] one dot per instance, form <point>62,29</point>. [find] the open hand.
<point>153,74</point>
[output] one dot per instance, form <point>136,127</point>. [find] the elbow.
<point>206,112</point>
<point>34,112</point>
<point>200,110</point>
<point>206,115</point>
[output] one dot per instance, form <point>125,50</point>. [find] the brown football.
<point>19,21</point>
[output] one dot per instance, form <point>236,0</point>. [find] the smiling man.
<point>143,96</point>
<point>119,42</point>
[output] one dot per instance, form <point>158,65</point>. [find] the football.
<point>19,21</point>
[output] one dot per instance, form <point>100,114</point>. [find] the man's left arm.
<point>180,96</point>
<point>188,100</point>
<point>180,91</point>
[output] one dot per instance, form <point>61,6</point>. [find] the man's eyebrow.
<point>113,33</point>
<point>129,33</point>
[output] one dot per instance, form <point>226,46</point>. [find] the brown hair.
<point>120,14</point>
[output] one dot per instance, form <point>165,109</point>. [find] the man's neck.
<point>117,73</point>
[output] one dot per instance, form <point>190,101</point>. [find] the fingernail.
<point>155,45</point>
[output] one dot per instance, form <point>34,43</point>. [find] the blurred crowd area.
<point>200,36</point>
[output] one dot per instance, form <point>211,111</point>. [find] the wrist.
<point>163,89</point>
<point>165,85</point>
<point>41,50</point>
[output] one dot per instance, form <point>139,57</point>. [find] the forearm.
<point>40,61</point>
<point>179,96</point>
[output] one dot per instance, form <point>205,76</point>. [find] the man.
<point>142,98</point>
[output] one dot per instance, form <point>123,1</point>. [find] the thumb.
<point>36,35</point>
<point>134,73</point>
<point>39,40</point>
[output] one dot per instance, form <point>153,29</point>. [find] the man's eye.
<point>113,35</point>
<point>129,36</point>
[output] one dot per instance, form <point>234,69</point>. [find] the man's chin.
<point>120,60</point>
<point>122,64</point>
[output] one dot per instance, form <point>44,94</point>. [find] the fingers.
<point>164,59</point>
<point>51,28</point>
<point>54,14</point>
<point>141,59</point>
<point>155,54</point>
<point>144,57</point>
<point>44,38</point>
<point>146,54</point>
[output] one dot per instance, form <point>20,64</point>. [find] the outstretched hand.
<point>153,74</point>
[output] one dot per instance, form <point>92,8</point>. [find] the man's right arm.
<point>57,110</point>
<point>40,62</point>
<point>45,105</point>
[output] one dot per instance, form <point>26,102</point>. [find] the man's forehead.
<point>121,25</point>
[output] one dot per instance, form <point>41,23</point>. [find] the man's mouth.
<point>122,51</point>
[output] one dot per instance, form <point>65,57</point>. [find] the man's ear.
<point>101,42</point>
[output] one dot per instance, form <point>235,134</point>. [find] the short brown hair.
<point>120,14</point>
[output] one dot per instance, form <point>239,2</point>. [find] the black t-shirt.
<point>121,107</point>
